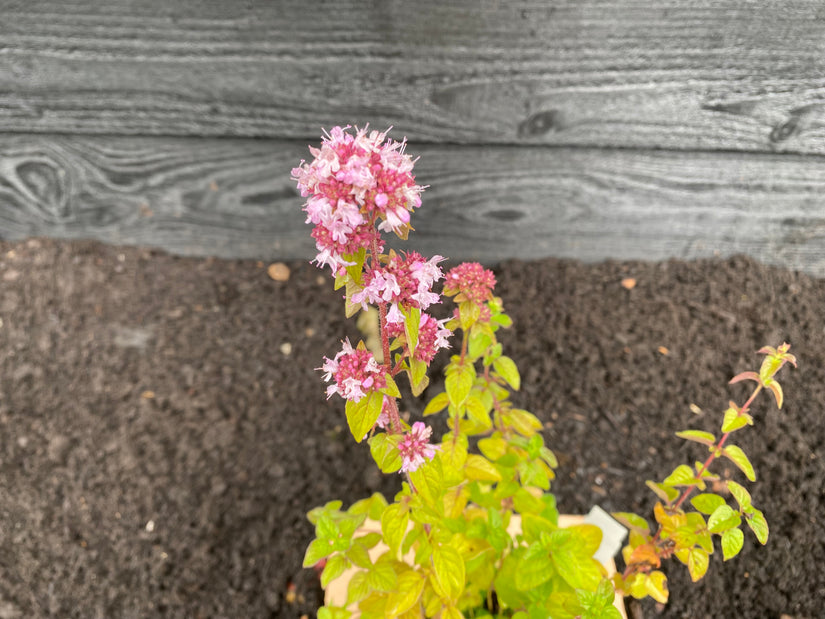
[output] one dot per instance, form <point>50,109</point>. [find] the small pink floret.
<point>414,448</point>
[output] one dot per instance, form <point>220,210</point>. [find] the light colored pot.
<point>612,535</point>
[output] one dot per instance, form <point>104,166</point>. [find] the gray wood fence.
<point>579,128</point>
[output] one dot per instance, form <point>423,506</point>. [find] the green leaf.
<point>732,541</point>
<point>723,518</point>
<point>333,612</point>
<point>382,577</point>
<point>436,405</point>
<point>682,475</point>
<point>697,563</point>
<point>707,503</point>
<point>735,420</point>
<point>756,521</point>
<point>411,328</point>
<point>480,469</point>
<point>479,341</point>
<point>394,526</point>
<point>359,556</point>
<point>391,389</point>
<point>734,453</point>
<point>336,565</point>
<point>532,526</point>
<point>506,368</point>
<point>632,521</point>
<point>477,411</point>
<point>459,382</point>
<point>493,447</point>
<point>535,568</point>
<point>362,415</point>
<point>572,555</point>
<point>427,480</point>
<point>468,314</point>
<point>523,422</point>
<point>384,450</point>
<point>706,438</point>
<point>526,503</point>
<point>410,586</point>
<point>317,550</point>
<point>418,377</point>
<point>741,495</point>
<point>449,570</point>
<point>358,588</point>
<point>666,493</point>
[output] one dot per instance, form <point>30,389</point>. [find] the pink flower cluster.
<point>406,281</point>
<point>415,449</point>
<point>472,280</point>
<point>432,336</point>
<point>354,181</point>
<point>355,372</point>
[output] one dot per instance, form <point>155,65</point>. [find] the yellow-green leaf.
<point>451,612</point>
<point>741,495</point>
<point>682,475</point>
<point>756,521</point>
<point>437,404</point>
<point>735,420</point>
<point>697,563</point>
<point>394,526</point>
<point>632,521</point>
<point>493,447</point>
<point>656,586</point>
<point>734,453</point>
<point>524,422</point>
<point>477,411</point>
<point>382,577</point>
<point>448,568</point>
<point>723,518</point>
<point>410,587</point>
<point>535,568</point>
<point>732,541</point>
<point>706,438</point>
<point>506,368</point>
<point>411,328</point>
<point>358,588</point>
<point>359,556</point>
<point>418,377</point>
<point>480,469</point>
<point>391,389</point>
<point>384,450</point>
<point>362,415</point>
<point>707,503</point>
<point>459,382</point>
<point>336,565</point>
<point>317,550</point>
<point>666,493</point>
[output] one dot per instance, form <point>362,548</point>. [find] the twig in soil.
<point>728,316</point>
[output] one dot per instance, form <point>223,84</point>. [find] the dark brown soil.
<point>164,431</point>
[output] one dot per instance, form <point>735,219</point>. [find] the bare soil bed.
<point>164,431</point>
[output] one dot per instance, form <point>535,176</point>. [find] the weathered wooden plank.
<point>233,198</point>
<point>726,75</point>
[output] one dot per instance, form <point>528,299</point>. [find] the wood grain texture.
<point>725,75</point>
<point>233,198</point>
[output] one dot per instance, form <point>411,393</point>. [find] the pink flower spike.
<point>415,449</point>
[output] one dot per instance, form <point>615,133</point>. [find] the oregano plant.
<point>448,545</point>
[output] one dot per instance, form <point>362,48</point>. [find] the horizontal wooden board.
<point>234,198</point>
<point>726,75</point>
